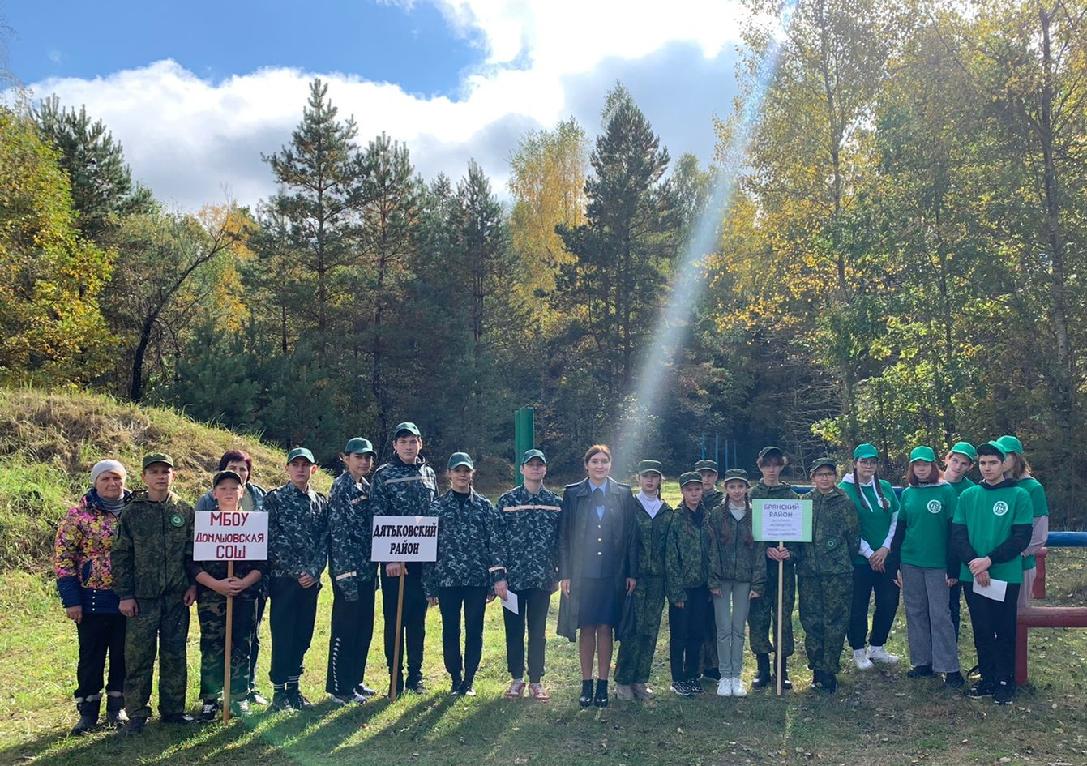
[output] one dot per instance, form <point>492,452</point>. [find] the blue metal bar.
<point>1066,540</point>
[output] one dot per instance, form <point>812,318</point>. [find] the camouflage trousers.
<point>636,653</point>
<point>824,613</point>
<point>763,618</point>
<point>161,625</point>
<point>211,610</point>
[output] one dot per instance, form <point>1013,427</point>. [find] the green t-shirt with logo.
<point>989,515</point>
<point>1040,503</point>
<point>927,511</point>
<point>962,484</point>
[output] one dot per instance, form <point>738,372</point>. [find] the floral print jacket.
<point>81,556</point>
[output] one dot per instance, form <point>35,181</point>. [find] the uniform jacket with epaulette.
<point>528,532</point>
<point>403,489</point>
<point>297,532</point>
<point>468,549</point>
<point>687,556</point>
<point>652,539</point>
<point>592,547</point>
<point>350,534</point>
<point>835,536</point>
<point>734,555</point>
<point>153,548</point>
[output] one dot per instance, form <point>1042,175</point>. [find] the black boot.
<point>586,698</point>
<point>785,682</point>
<point>601,698</point>
<point>762,674</point>
<point>115,711</point>
<point>88,709</point>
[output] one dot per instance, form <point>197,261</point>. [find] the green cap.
<point>531,454</point>
<point>770,451</point>
<point>923,453</point>
<point>966,449</point>
<point>458,459</point>
<point>359,446</point>
<point>865,450</point>
<point>1011,444</point>
<point>301,452</point>
<point>988,448</point>
<point>651,466</point>
<point>706,465</point>
<point>688,478</point>
<point>223,476</point>
<point>157,457</point>
<point>735,474</point>
<point>819,462</point>
<point>407,427</point>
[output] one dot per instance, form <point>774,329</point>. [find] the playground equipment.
<point>1046,616</point>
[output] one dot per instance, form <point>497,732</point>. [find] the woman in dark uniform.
<point>598,564</point>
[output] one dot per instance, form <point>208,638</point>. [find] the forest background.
<point>899,262</point>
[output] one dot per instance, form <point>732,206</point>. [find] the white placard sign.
<point>786,520</point>
<point>231,536</point>
<point>404,538</point>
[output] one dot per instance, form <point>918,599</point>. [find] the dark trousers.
<point>412,623</point>
<point>954,605</point>
<point>532,604</point>
<point>866,581</point>
<point>99,635</point>
<point>349,643</point>
<point>473,601</point>
<point>687,632</point>
<point>211,611</point>
<point>293,613</point>
<point>994,633</point>
<point>254,647</point>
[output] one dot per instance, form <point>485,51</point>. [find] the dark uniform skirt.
<point>600,602</point>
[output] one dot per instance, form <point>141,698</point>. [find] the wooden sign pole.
<point>396,641</point>
<point>229,647</point>
<point>778,656</point>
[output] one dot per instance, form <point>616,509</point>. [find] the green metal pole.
<point>524,437</point>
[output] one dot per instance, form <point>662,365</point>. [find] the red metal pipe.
<point>1039,577</point>
<point>1042,617</point>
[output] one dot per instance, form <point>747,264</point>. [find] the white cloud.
<point>193,141</point>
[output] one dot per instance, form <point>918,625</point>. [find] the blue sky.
<point>197,91</point>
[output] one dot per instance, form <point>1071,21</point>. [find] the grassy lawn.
<point>877,717</point>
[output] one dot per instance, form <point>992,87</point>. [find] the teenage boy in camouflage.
<point>350,525</point>
<point>214,586</point>
<point>297,552</point>
<point>528,532</point>
<point>762,620</point>
<point>405,486</point>
<point>150,577</point>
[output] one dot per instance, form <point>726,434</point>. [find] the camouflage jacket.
<point>652,539</point>
<point>528,533</point>
<point>686,560</point>
<point>402,489</point>
<point>350,527</point>
<point>712,499</point>
<point>835,534</point>
<point>153,548</point>
<point>468,546</point>
<point>780,491</point>
<point>218,570</point>
<point>733,554</point>
<point>297,532</point>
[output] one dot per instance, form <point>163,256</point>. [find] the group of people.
<point>127,577</point>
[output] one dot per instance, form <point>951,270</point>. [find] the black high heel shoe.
<point>586,698</point>
<point>601,698</point>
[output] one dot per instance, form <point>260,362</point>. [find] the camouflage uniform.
<point>350,525</point>
<point>824,569</point>
<point>150,559</point>
<point>297,545</point>
<point>687,569</point>
<point>404,489</point>
<point>711,500</point>
<point>528,533</point>
<point>762,620</point>
<point>469,563</point>
<point>636,654</point>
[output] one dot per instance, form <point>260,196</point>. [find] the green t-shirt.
<point>962,484</point>
<point>1038,499</point>
<point>875,520</point>
<point>989,515</point>
<point>927,512</point>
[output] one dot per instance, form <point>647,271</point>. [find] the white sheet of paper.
<point>510,602</point>
<point>994,590</point>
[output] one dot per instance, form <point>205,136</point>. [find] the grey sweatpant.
<point>730,610</point>
<point>929,630</point>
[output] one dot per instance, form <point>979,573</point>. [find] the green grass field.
<point>876,718</point>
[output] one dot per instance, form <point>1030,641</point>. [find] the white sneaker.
<point>724,687</point>
<point>738,688</point>
<point>860,659</point>
<point>880,654</point>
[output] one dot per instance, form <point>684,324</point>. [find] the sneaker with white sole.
<point>724,687</point>
<point>880,654</point>
<point>738,688</point>
<point>860,659</point>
